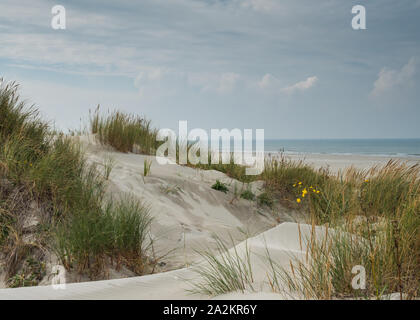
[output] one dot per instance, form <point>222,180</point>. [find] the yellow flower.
<point>317,191</point>
<point>366,180</point>
<point>298,200</point>
<point>300,182</point>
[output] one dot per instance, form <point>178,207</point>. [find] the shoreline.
<point>339,162</point>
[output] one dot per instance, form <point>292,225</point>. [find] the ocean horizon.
<point>373,147</point>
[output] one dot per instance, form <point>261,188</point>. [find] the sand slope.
<point>282,242</point>
<point>187,212</point>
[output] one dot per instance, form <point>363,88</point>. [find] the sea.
<point>377,147</point>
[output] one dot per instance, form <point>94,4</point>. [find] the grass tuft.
<point>220,186</point>
<point>224,271</point>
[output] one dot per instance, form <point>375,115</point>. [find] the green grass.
<point>109,164</point>
<point>47,169</point>
<point>248,195</point>
<point>124,132</point>
<point>231,169</point>
<point>147,164</point>
<point>220,186</point>
<point>32,272</point>
<point>92,240</point>
<point>223,271</point>
<point>265,199</point>
<point>380,206</point>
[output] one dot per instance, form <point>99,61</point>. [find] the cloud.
<point>390,79</point>
<point>158,81</point>
<point>166,81</point>
<point>301,86</point>
<point>220,83</point>
<point>268,81</point>
<point>271,83</point>
<point>227,82</point>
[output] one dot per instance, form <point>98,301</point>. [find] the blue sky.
<point>295,68</point>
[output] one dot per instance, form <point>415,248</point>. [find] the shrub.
<point>265,199</point>
<point>248,195</point>
<point>220,186</point>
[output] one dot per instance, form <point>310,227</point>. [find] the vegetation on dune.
<point>51,199</point>
<point>88,240</point>
<point>225,270</point>
<point>220,186</point>
<point>124,132</point>
<point>248,195</point>
<point>379,207</point>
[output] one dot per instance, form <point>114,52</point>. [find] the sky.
<point>295,68</point>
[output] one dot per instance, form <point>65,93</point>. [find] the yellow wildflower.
<point>298,200</point>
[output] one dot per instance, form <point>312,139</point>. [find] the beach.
<point>339,162</point>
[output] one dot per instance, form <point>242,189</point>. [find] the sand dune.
<point>187,212</point>
<point>282,242</point>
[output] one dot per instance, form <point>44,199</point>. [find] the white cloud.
<point>227,82</point>
<point>301,86</point>
<point>389,79</point>
<point>220,83</point>
<point>165,81</point>
<point>267,82</point>
<point>272,84</point>
<point>157,81</point>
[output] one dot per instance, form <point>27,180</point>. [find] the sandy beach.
<point>337,162</point>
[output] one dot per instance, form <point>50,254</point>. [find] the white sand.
<point>282,242</point>
<point>337,163</point>
<point>186,213</point>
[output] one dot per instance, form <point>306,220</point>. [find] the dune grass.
<point>223,271</point>
<point>220,186</point>
<point>375,215</point>
<point>380,206</point>
<point>91,240</point>
<point>387,196</point>
<point>44,176</point>
<point>124,132</point>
